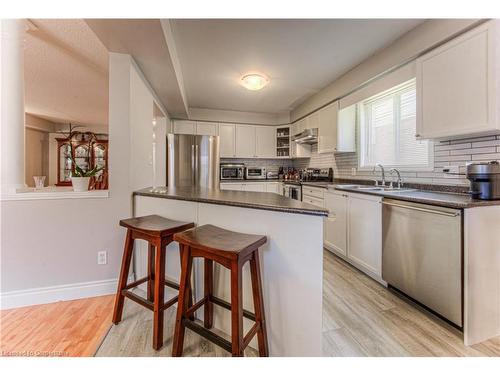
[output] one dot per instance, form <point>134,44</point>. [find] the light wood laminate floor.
<point>132,337</point>
<point>360,318</point>
<point>363,318</point>
<point>69,328</point>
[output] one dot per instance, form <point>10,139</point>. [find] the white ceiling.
<point>299,56</point>
<point>66,72</point>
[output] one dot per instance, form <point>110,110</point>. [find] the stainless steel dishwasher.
<point>422,255</point>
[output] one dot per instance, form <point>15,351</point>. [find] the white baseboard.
<point>67,292</point>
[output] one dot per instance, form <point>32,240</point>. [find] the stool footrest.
<point>136,283</point>
<point>249,336</point>
<point>170,284</point>
<point>209,335</point>
<point>196,306</point>
<point>148,304</point>
<point>220,302</point>
<point>170,302</point>
<point>138,299</point>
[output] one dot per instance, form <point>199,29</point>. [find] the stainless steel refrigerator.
<point>193,160</point>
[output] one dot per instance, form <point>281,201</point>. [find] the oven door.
<point>294,192</point>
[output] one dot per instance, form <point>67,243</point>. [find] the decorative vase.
<point>80,183</point>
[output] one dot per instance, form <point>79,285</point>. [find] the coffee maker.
<point>484,180</point>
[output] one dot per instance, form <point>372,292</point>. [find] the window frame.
<point>361,123</point>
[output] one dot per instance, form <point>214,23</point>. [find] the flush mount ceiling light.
<point>254,81</point>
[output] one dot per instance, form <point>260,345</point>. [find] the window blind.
<point>388,123</point>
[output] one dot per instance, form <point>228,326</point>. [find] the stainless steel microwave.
<point>232,171</point>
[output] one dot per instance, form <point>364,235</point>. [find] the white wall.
<point>407,46</point>
<point>54,243</point>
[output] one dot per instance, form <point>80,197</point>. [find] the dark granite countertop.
<point>246,199</point>
<point>451,200</point>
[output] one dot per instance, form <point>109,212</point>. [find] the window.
<point>387,131</point>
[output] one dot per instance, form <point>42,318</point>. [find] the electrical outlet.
<point>353,171</point>
<point>102,257</point>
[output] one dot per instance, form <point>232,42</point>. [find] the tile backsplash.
<point>452,152</point>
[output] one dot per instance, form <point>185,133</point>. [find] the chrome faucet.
<point>382,170</point>
<point>400,181</point>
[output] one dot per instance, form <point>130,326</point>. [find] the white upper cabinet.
<point>346,129</point>
<point>245,141</point>
<point>327,128</point>
<point>457,84</point>
<point>300,126</point>
<point>227,139</point>
<point>195,127</point>
<point>312,121</point>
<point>265,141</point>
<point>184,127</point>
<point>206,128</point>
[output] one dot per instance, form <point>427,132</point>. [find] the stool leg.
<point>159,296</point>
<point>258,303</point>
<point>182,303</point>
<point>236,310</point>
<point>189,289</point>
<point>151,273</point>
<point>208,287</point>
<point>122,281</point>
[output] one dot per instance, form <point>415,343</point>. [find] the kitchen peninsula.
<point>291,260</point>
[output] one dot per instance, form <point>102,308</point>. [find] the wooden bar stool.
<point>232,250</point>
<point>158,232</point>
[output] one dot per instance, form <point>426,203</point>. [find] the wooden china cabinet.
<point>86,155</point>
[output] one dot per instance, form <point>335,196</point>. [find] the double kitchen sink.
<point>374,188</point>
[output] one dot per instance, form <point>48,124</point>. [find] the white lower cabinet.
<point>230,186</point>
<point>273,187</point>
<point>262,187</point>
<point>335,225</point>
<point>313,195</point>
<point>255,186</point>
<point>364,228</point>
<point>353,230</point>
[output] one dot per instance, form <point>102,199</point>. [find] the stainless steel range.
<point>320,176</point>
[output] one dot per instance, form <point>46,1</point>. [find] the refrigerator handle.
<point>193,166</point>
<point>196,160</point>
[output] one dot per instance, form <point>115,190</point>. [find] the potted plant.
<point>80,178</point>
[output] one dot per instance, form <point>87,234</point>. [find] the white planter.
<point>80,183</point>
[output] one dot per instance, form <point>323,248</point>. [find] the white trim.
<point>66,292</point>
<point>32,194</point>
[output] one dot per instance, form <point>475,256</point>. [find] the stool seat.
<point>155,225</point>
<point>220,241</point>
